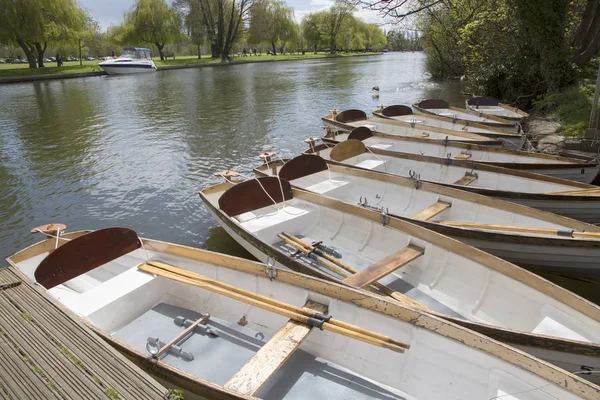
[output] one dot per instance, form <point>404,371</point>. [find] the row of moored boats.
<point>391,258</point>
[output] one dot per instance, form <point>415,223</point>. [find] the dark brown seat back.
<point>433,103</point>
<point>302,165</point>
<point>351,116</point>
<point>396,111</point>
<point>84,254</point>
<point>250,196</point>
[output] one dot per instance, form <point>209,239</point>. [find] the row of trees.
<point>512,49</point>
<point>219,25</point>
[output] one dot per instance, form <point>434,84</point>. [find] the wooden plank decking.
<point>46,353</point>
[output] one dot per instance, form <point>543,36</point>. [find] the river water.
<point>135,150</point>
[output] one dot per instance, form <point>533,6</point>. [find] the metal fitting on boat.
<point>566,233</point>
<point>315,323</point>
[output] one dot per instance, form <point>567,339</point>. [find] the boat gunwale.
<point>468,137</point>
<point>472,146</point>
<point>493,130</point>
<point>459,194</point>
<point>517,167</point>
<point>494,120</point>
<point>361,298</point>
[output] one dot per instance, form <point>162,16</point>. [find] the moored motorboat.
<point>560,196</point>
<point>134,60</point>
<point>350,119</point>
<point>224,327</point>
<point>365,248</point>
<point>547,164</point>
<point>490,106</point>
<point>511,140</point>
<point>522,235</point>
<point>443,109</point>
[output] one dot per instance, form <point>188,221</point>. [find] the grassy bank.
<point>571,106</point>
<point>17,70</point>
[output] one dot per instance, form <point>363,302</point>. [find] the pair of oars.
<point>266,303</point>
<point>340,268</point>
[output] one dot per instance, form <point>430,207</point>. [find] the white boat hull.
<point>113,69</point>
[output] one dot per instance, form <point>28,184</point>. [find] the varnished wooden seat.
<point>431,211</point>
<point>466,180</point>
<point>384,267</point>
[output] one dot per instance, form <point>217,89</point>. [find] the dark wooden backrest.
<point>347,149</point>
<point>360,133</point>
<point>302,165</point>
<point>351,116</point>
<point>482,101</point>
<point>250,196</point>
<point>433,103</point>
<point>84,254</point>
<point>396,111</point>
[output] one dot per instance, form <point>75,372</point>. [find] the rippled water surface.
<point>135,150</point>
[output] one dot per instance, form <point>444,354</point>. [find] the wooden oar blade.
<point>84,254</point>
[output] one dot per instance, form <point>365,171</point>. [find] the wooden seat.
<point>431,211</point>
<point>250,379</point>
<point>384,267</point>
<point>462,156</point>
<point>466,180</point>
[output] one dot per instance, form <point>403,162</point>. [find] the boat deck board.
<point>46,352</point>
<point>431,211</point>
<point>251,378</point>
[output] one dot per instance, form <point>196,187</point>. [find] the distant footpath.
<point>13,73</point>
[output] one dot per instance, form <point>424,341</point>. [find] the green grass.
<point>16,70</point>
<point>570,108</point>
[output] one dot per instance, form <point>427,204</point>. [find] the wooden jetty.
<point>45,352</point>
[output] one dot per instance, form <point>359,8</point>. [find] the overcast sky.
<point>110,12</point>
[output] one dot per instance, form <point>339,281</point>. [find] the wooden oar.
<point>384,289</point>
<point>277,303</point>
<point>330,266</point>
<point>579,192</point>
<point>519,229</point>
<point>370,339</point>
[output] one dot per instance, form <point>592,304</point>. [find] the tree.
<point>151,21</point>
<point>222,21</point>
<point>32,24</point>
<point>89,36</point>
<point>334,18</point>
<point>271,21</point>
<point>311,29</point>
<point>586,41</point>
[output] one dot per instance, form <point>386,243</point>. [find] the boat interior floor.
<point>391,281</point>
<point>217,356</point>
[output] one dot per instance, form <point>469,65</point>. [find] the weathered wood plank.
<point>466,180</point>
<point>431,211</point>
<point>384,267</point>
<point>250,379</point>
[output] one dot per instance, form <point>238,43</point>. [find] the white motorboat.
<point>133,60</point>
<point>227,328</point>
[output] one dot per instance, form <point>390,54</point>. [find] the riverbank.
<point>15,73</point>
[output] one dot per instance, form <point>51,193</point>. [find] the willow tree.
<point>32,24</point>
<point>333,20</point>
<point>311,29</point>
<point>151,21</point>
<point>271,21</point>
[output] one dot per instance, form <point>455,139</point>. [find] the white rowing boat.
<point>491,106</point>
<point>564,197</point>
<point>406,262</point>
<point>560,167</point>
<point>224,327</point>
<point>443,109</point>
<point>524,236</point>
<point>350,119</point>
<point>511,140</point>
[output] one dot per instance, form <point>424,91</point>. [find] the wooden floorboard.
<point>46,352</point>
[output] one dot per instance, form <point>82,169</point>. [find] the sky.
<point>110,12</point>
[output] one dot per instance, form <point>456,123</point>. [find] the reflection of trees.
<point>56,128</point>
